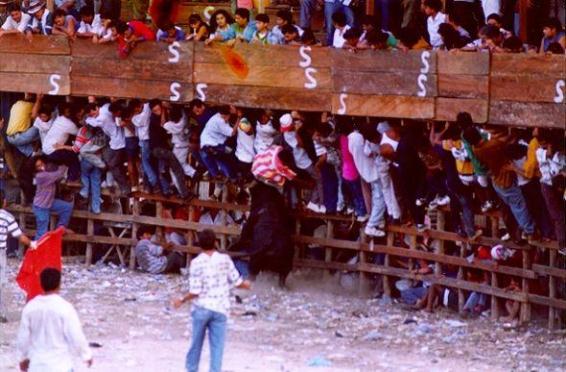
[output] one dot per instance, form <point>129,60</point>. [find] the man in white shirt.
<point>212,276</point>
<point>178,129</point>
<point>432,9</point>
<point>50,331</point>
<point>340,25</point>
<point>369,172</point>
<point>215,155</point>
<point>16,22</point>
<point>142,113</point>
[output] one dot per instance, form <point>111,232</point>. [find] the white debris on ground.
<point>312,327</point>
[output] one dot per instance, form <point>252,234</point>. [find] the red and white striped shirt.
<point>268,168</point>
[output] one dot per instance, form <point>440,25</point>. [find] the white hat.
<point>286,121</point>
<point>35,6</point>
<point>499,253</point>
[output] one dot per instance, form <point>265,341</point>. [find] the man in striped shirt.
<point>152,257</point>
<point>8,226</point>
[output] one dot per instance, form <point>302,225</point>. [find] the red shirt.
<point>141,29</point>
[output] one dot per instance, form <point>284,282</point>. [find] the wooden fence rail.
<point>506,89</point>
<point>396,261</point>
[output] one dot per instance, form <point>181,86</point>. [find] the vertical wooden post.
<point>89,245</point>
<point>190,234</point>
<point>22,222</point>
<point>386,263</point>
<point>363,285</point>
<point>224,199</point>
<point>158,214</point>
<point>494,299</point>
<point>440,223</point>
<point>328,250</point>
<point>135,227</point>
<point>552,291</point>
<point>461,295</point>
<point>526,306</point>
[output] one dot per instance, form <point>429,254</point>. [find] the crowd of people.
<point>425,25</point>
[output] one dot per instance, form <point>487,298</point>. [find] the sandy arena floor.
<point>312,327</point>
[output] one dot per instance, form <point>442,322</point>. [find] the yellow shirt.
<point>531,164</point>
<point>464,167</point>
<point>20,118</point>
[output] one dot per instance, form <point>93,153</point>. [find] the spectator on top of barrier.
<point>495,19</point>
<point>170,33</point>
<point>433,10</point>
<point>16,22</point>
<point>221,29</point>
<point>198,29</point>
<point>63,24</point>
<point>282,19</point>
<point>130,34</point>
<point>244,28</point>
<point>42,19</point>
<point>451,38</point>
<point>90,23</point>
<point>340,28</point>
<point>410,39</point>
<point>262,34</point>
<point>553,33</point>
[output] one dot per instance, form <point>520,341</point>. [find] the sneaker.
<point>375,232</point>
<point>443,200</point>
<point>316,208</point>
<point>420,202</point>
<point>487,206</point>
<point>362,219</point>
<point>505,237</point>
<point>421,227</point>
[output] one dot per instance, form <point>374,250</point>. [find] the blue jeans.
<point>215,322</point>
<point>148,170</point>
<point>474,300</point>
<point>90,181</point>
<point>461,203</point>
<point>329,188</point>
<point>412,295</point>
<point>354,191</point>
<point>329,10</point>
<point>24,141</point>
<point>307,10</point>
<point>376,217</point>
<point>383,8</point>
<point>61,208</point>
<point>216,160</point>
<point>513,197</point>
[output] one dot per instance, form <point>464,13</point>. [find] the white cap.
<point>286,121</point>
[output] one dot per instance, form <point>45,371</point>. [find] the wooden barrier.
<point>397,260</point>
<point>506,89</point>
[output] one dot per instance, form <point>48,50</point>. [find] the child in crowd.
<point>243,27</point>
<point>327,160</point>
<point>410,39</point>
<point>553,33</point>
<point>90,25</point>
<point>221,29</point>
<point>340,28</point>
<point>16,22</point>
<point>244,147</point>
<point>63,24</point>
<point>198,29</point>
<point>42,20</point>
<point>106,32</point>
<point>433,10</point>
<point>290,35</point>
<point>283,18</point>
<point>130,34</point>
<point>262,34</point>
<point>265,132</point>
<point>170,33</point>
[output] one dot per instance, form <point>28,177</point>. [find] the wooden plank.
<point>550,115</point>
<point>266,97</point>
<point>34,83</point>
<point>272,76</point>
<point>448,108</point>
<point>388,106</point>
<point>529,64</point>
<point>35,63</point>
<point>16,43</point>
<point>525,88</point>
<point>550,271</point>
<point>463,63</point>
<point>541,300</point>
<point>382,61</point>
<point>129,88</point>
<point>463,86</point>
<point>382,83</point>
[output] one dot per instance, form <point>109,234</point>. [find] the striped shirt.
<point>268,168</point>
<point>8,225</point>
<point>150,257</point>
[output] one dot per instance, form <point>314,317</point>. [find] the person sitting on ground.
<point>553,33</point>
<point>44,203</point>
<point>156,258</point>
<point>262,34</point>
<point>221,28</point>
<point>17,21</point>
<point>340,28</point>
<point>170,33</point>
<point>50,332</point>
<point>63,24</point>
<point>243,27</point>
<point>198,29</point>
<point>91,24</point>
<point>42,21</point>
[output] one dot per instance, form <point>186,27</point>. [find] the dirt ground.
<point>311,327</point>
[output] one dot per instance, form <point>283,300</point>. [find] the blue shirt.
<point>179,34</point>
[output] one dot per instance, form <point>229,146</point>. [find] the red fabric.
<point>268,168</point>
<point>141,29</point>
<point>164,12</point>
<point>47,254</point>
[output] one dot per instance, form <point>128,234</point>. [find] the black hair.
<point>154,102</point>
<point>513,44</point>
<point>243,12</point>
<point>214,25</point>
<point>144,229</point>
<point>262,17</point>
<point>516,151</point>
<point>206,239</point>
<point>352,33</point>
<point>491,32</point>
<point>134,103</point>
<point>14,7</point>
<point>409,36</point>
<point>193,18</point>
<point>289,29</point>
<point>555,48</point>
<point>59,13</point>
<point>308,37</point>
<point>285,15</point>
<point>115,107</point>
<point>126,113</point>
<point>87,11</point>
<point>553,23</point>
<point>464,119</point>
<point>451,38</point>
<point>63,107</point>
<point>472,135</point>
<point>377,37</point>
<point>50,279</point>
<point>433,4</point>
<point>45,109</point>
<point>176,113</point>
<point>224,110</point>
<point>339,18</point>
<point>453,132</point>
<point>496,17</point>
<point>195,103</point>
<point>121,26</point>
<point>91,107</point>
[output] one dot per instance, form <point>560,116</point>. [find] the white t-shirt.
<point>338,41</point>
<point>11,24</point>
<point>215,132</point>
<point>245,147</point>
<point>364,164</point>
<point>95,27</point>
<point>141,122</point>
<point>385,139</point>
<point>432,27</point>
<point>43,127</point>
<point>319,148</point>
<point>59,132</point>
<point>106,121</point>
<point>491,7</point>
<point>302,159</point>
<point>178,131</point>
<point>264,137</point>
